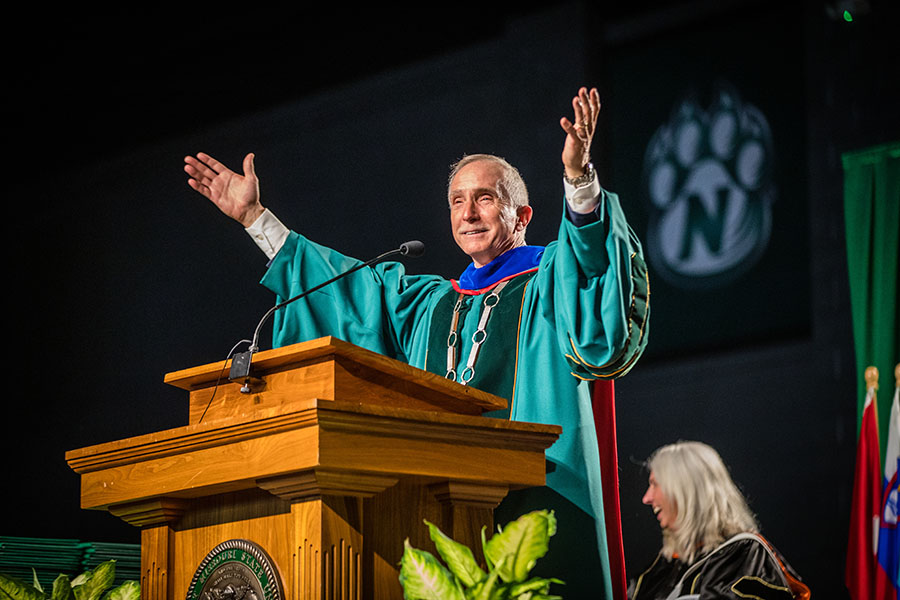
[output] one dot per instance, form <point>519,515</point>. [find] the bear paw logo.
<point>708,178</point>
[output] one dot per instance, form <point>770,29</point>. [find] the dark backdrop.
<point>121,273</point>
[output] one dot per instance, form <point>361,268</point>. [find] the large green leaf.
<point>36,583</point>
<point>90,585</point>
<point>535,585</point>
<point>62,589</point>
<point>488,589</point>
<point>523,542</point>
<point>487,559</point>
<point>129,590</point>
<point>424,578</point>
<point>458,557</point>
<point>12,588</point>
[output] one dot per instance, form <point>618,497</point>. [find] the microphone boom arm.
<point>240,364</point>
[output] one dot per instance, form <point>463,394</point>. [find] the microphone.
<point>240,364</point>
<point>412,248</point>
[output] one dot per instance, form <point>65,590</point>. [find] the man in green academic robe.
<point>536,325</point>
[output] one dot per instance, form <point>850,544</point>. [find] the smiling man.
<point>486,218</point>
<point>533,324</point>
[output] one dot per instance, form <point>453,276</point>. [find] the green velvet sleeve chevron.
<point>593,284</point>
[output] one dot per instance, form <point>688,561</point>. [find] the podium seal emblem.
<point>236,570</point>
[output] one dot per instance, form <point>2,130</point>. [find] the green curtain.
<point>872,216</point>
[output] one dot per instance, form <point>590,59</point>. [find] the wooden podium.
<point>332,459</point>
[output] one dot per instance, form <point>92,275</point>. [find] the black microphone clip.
<point>240,368</point>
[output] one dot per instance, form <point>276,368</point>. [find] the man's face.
<point>484,227</point>
<point>663,508</point>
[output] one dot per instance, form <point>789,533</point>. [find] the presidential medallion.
<point>236,570</point>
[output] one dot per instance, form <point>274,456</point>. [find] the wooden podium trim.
<point>319,482</point>
<point>217,457</point>
<point>335,416</point>
<point>464,493</point>
<point>327,369</point>
<point>172,442</point>
<point>150,512</point>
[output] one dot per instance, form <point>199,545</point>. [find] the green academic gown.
<point>581,316</point>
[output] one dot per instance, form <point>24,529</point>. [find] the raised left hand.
<point>577,149</point>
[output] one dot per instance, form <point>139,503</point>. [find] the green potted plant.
<point>510,556</point>
<point>91,585</point>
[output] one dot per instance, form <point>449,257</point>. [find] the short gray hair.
<point>512,187</point>
<point>709,507</point>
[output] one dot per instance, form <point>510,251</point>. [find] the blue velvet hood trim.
<point>510,263</point>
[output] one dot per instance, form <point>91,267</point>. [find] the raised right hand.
<point>236,195</point>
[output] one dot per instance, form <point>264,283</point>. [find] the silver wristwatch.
<point>582,180</point>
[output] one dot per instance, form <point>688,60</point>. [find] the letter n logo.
<point>708,178</point>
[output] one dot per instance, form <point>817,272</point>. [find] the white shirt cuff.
<point>269,233</point>
<point>583,199</point>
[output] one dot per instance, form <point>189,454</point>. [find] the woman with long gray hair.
<point>711,546</point>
